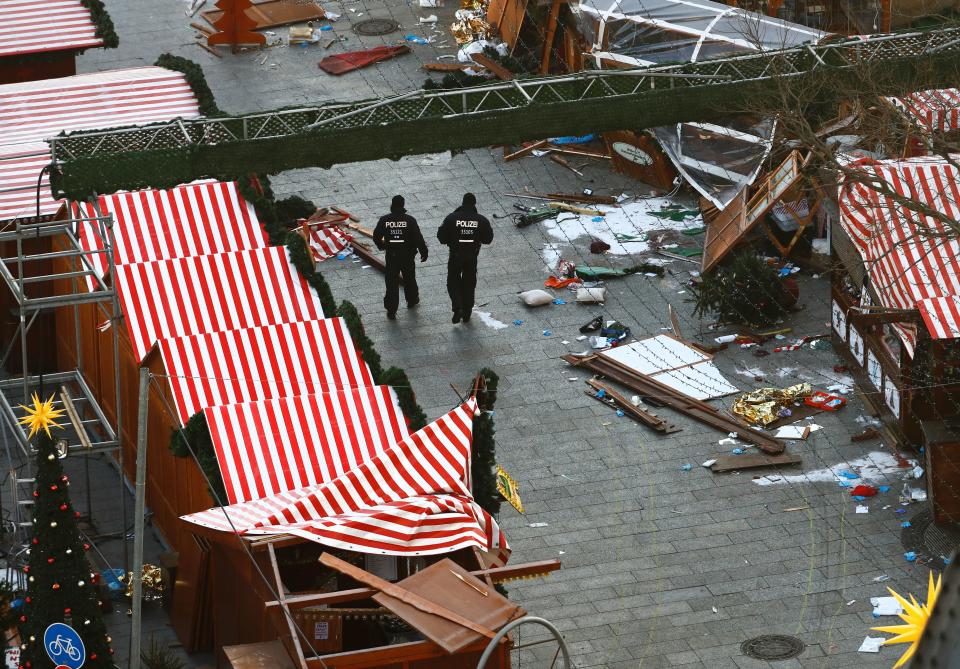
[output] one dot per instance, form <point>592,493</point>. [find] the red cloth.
<point>355,60</point>
<point>554,282</point>
<point>864,491</point>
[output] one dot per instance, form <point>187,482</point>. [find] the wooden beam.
<point>404,595</point>
<point>528,149</point>
<point>496,574</point>
<point>288,616</point>
<point>879,317</point>
<point>732,463</point>
<point>551,33</point>
<point>499,70</point>
<point>646,417</point>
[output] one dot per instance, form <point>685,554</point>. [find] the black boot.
<point>456,317</point>
<point>392,315</point>
<point>466,317</point>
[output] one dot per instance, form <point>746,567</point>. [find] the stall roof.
<point>935,110</point>
<point>411,499</point>
<point>33,111</point>
<point>212,293</point>
<point>909,270</point>
<point>196,219</point>
<point>271,446</point>
<point>644,32</point>
<point>35,26</point>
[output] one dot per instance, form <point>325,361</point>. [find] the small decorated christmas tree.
<point>60,586</point>
<point>234,27</point>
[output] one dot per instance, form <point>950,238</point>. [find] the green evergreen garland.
<point>60,586</point>
<point>195,438</point>
<point>406,398</point>
<point>102,23</point>
<point>351,317</point>
<point>484,453</point>
<point>195,79</point>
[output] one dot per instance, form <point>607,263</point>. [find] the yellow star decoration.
<point>916,616</point>
<point>41,416</point>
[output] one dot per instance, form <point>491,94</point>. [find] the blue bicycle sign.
<point>64,646</point>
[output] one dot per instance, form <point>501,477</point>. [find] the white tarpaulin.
<point>674,364</point>
<point>718,160</point>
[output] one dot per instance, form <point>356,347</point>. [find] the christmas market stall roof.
<point>36,26</point>
<point>33,111</point>
<point>935,110</point>
<point>411,499</point>
<point>271,446</point>
<point>257,363</point>
<point>718,159</point>
<point>912,260</point>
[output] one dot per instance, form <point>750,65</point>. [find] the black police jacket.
<point>399,233</point>
<point>464,231</point>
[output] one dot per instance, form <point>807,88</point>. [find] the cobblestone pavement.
<point>661,567</point>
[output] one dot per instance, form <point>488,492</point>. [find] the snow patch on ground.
<point>632,218</point>
<point>489,320</point>
<point>877,466</point>
<point>551,255</point>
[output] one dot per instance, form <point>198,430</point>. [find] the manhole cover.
<point>929,540</point>
<point>772,647</point>
<point>371,27</point>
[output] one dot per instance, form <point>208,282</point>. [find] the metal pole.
<point>495,641</point>
<point>138,522</point>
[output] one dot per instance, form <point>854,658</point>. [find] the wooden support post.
<point>551,33</point>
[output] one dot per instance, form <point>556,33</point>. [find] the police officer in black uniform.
<point>463,232</point>
<point>399,234</point>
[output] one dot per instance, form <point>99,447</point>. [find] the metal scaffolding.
<point>86,428</point>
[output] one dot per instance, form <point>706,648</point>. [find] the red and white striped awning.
<point>259,363</point>
<point>196,219</point>
<point>33,111</point>
<point>908,269</point>
<point>327,241</point>
<point>411,499</point>
<point>212,293</point>
<point>33,26</point>
<point>273,446</point>
<point>934,110</point>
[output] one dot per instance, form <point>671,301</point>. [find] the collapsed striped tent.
<point>912,259</point>
<point>327,241</point>
<point>936,110</point>
<point>411,499</point>
<point>38,26</point>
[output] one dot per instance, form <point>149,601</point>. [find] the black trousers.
<point>400,264</point>
<point>461,282</point>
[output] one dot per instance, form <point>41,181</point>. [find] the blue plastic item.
<point>620,413</point>
<point>884,488</point>
<point>415,39</point>
<point>518,322</point>
<point>905,523</point>
<point>601,393</point>
<point>848,475</point>
<point>547,333</point>
<point>737,451</point>
<point>687,467</point>
<point>559,301</point>
<point>573,139</point>
<point>910,556</point>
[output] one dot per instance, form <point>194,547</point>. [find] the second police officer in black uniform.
<point>463,232</point>
<point>399,236</point>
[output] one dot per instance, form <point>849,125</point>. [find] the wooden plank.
<point>405,596</point>
<point>572,150</point>
<point>496,574</point>
<point>273,13</point>
<point>731,463</point>
<point>278,585</point>
<point>499,70</point>
<point>583,199</point>
<point>528,149</point>
<point>445,67</point>
<point>552,20</point>
<point>648,418</point>
<point>696,409</point>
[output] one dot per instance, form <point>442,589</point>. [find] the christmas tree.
<point>234,27</point>
<point>60,586</point>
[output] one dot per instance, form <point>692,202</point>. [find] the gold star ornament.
<point>915,615</point>
<point>41,416</point>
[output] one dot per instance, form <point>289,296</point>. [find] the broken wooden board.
<point>648,418</point>
<point>733,463</point>
<point>499,70</point>
<point>273,13</point>
<point>446,67</point>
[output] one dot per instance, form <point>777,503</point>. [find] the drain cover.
<point>371,27</point>
<point>930,540</point>
<point>772,647</point>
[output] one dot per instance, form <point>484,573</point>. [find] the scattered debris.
<point>727,463</point>
<point>871,644</point>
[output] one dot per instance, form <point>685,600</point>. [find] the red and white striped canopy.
<point>273,446</point>
<point>934,110</point>
<point>212,293</point>
<point>913,260</point>
<point>327,242</point>
<point>33,26</point>
<point>196,219</point>
<point>411,499</point>
<point>259,363</point>
<point>33,111</point>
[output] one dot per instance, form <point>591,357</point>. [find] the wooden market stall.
<point>896,310</point>
<point>42,38</point>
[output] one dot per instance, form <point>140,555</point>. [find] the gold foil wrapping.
<point>470,26</point>
<point>763,406</point>
<point>152,579</point>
